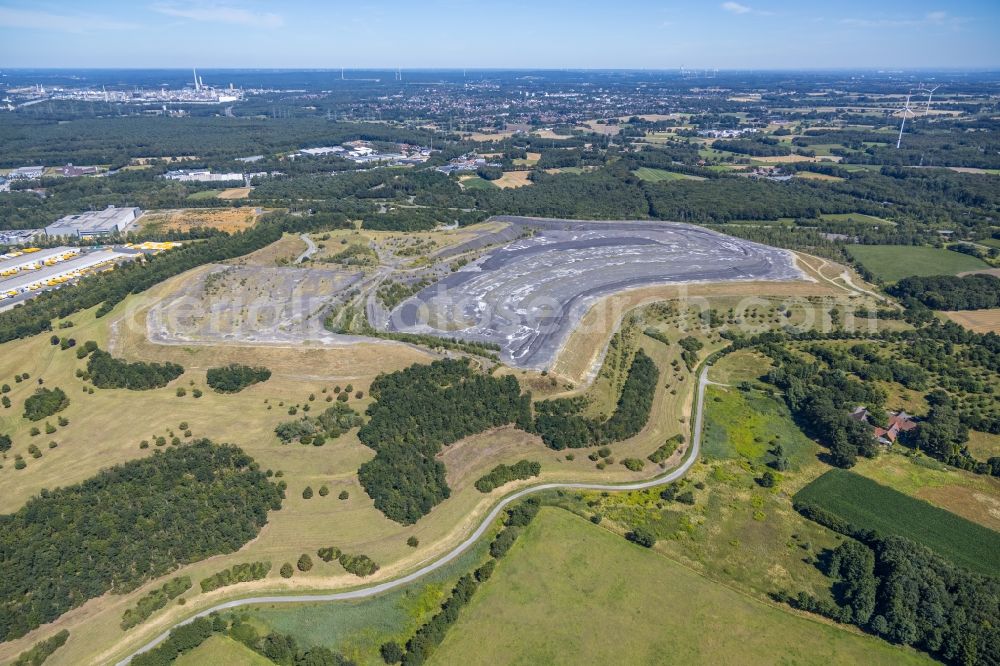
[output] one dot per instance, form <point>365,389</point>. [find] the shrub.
<point>343,495</point>
<point>44,403</point>
<point>307,493</point>
<point>286,570</point>
<point>359,565</point>
<point>238,573</point>
<point>328,554</point>
<point>484,572</point>
<point>154,601</point>
<point>413,542</point>
<point>502,474</point>
<point>633,464</point>
<point>5,443</point>
<point>642,536</point>
<point>324,491</point>
<point>305,562</point>
<point>391,652</point>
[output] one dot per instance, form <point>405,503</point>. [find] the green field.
<point>747,425</point>
<point>204,194</point>
<point>477,183</point>
<point>357,629</point>
<point>572,593</point>
<point>222,650</point>
<point>892,263</point>
<point>869,505</point>
<point>657,175</point>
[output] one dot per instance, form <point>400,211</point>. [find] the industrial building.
<point>17,262</point>
<point>26,173</point>
<point>60,272</point>
<point>107,222</point>
<point>202,176</point>
<point>19,236</point>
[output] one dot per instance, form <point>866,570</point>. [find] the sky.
<point>639,34</point>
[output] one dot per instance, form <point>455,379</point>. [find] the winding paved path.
<point>364,592</point>
<point>310,249</point>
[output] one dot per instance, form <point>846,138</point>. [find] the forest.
<point>950,292</point>
<point>561,426</point>
<point>128,524</point>
<point>234,377</point>
<point>108,372</point>
<point>417,411</point>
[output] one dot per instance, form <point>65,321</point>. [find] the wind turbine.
<point>930,94</point>
<point>906,110</point>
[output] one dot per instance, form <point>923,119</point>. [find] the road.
<point>310,249</point>
<point>373,590</point>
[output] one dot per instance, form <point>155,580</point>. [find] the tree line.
<point>108,372</point>
<point>950,292</point>
<point>561,425</point>
<point>502,474</point>
<point>906,594</point>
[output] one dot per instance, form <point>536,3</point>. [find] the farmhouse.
<point>899,422</point>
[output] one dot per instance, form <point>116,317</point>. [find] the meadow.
<point>570,593</point>
<point>871,506</point>
<point>892,263</point>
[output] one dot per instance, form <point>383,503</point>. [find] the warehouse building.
<point>107,222</point>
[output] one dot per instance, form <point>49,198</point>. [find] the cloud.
<point>220,13</point>
<point>936,18</point>
<point>736,8</point>
<point>41,20</point>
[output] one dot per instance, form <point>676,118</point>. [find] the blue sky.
<point>744,34</point>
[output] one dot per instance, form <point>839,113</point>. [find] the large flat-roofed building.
<point>26,173</point>
<point>107,222</point>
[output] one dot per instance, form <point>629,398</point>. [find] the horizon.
<point>449,34</point>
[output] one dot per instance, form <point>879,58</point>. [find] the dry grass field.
<point>513,179</point>
<point>530,159</point>
<point>809,175</point>
<point>980,321</point>
<point>186,219</point>
<point>235,193</point>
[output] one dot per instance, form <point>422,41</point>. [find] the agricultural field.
<point>980,321</point>
<point>892,263</point>
<point>869,505</point>
<point>562,562</point>
<point>975,497</point>
<point>476,182</point>
<point>235,193</point>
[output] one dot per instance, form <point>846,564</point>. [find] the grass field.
<point>894,262</point>
<point>747,425</point>
<point>222,650</point>
<point>235,193</point>
<point>869,505</point>
<point>476,183</point>
<point>572,593</point>
<point>203,195</point>
<point>983,445</point>
<point>357,629</point>
<point>657,175</point>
